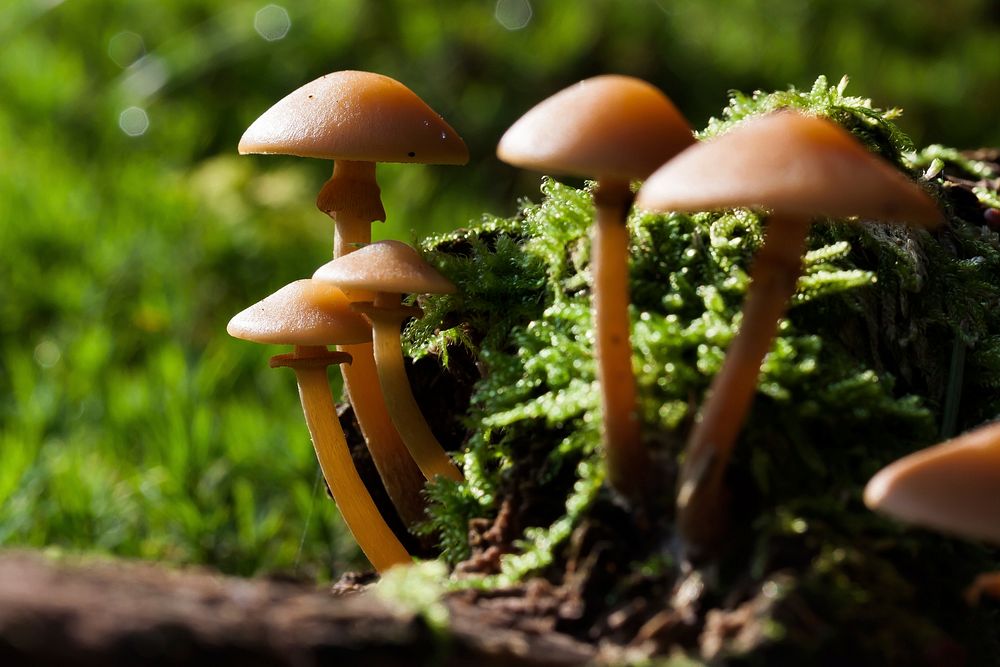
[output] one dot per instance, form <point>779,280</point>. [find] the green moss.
<point>417,588</point>
<point>892,337</point>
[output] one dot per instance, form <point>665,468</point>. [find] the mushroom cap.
<point>789,163</point>
<point>384,266</point>
<point>305,312</point>
<point>355,116</point>
<point>953,487</point>
<point>610,126</point>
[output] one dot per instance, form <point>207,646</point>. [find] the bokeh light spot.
<point>145,76</point>
<point>47,353</point>
<point>134,121</point>
<point>272,22</point>
<point>125,48</point>
<point>513,14</point>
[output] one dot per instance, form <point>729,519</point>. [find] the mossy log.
<point>892,343</point>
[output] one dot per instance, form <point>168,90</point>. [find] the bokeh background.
<point>131,231</point>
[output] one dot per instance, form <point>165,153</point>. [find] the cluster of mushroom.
<point>615,130</point>
<point>354,301</point>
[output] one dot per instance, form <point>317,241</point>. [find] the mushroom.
<point>614,129</point>
<point>952,487</point>
<point>389,269</point>
<point>798,167</point>
<point>358,119</point>
<point>310,315</point>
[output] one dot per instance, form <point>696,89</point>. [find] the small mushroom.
<point>953,488</point>
<point>798,167</point>
<point>358,119</point>
<point>311,315</point>
<point>390,269</point>
<point>614,129</point>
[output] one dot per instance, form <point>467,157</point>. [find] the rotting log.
<point>101,612</point>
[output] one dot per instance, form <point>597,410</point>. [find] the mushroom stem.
<point>387,315</point>
<point>401,477</point>
<point>355,504</point>
<point>776,268</point>
<point>627,460</point>
<point>353,200</point>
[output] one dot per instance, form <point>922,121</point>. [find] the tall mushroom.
<point>311,315</point>
<point>798,167</point>
<point>358,119</point>
<point>614,129</point>
<point>390,269</point>
<point>953,487</point>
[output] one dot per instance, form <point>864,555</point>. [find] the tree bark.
<point>97,612</point>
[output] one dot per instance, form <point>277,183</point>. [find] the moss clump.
<point>893,338</point>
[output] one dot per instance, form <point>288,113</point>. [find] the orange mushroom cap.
<point>357,116</point>
<point>305,312</point>
<point>953,487</point>
<point>789,163</point>
<point>608,126</point>
<point>385,266</point>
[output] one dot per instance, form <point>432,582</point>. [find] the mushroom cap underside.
<point>789,163</point>
<point>305,312</point>
<point>384,266</point>
<point>359,116</point>
<point>953,487</point>
<point>609,126</point>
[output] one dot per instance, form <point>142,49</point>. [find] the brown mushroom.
<point>311,315</point>
<point>390,269</point>
<point>798,167</point>
<point>953,487</point>
<point>358,119</point>
<point>614,129</point>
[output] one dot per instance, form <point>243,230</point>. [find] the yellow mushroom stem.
<point>353,200</point>
<point>627,460</point>
<point>355,504</point>
<point>387,316</point>
<point>400,475</point>
<point>701,501</point>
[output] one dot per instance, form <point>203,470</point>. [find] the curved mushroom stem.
<point>400,475</point>
<point>387,316</point>
<point>356,506</point>
<point>701,505</point>
<point>627,460</point>
<point>353,200</point>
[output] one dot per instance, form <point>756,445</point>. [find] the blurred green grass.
<point>129,422</point>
